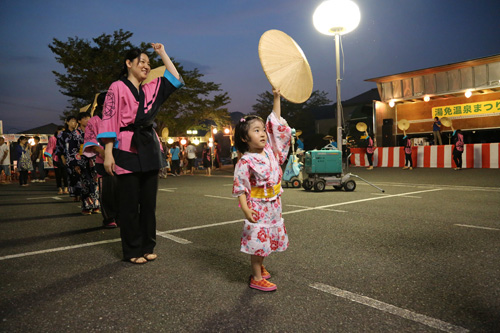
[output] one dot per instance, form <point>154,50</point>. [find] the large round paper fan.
<point>403,124</point>
<point>361,126</point>
<point>285,66</point>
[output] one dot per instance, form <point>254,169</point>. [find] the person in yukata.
<point>88,174</point>
<point>132,148</point>
<point>68,147</point>
<point>54,161</point>
<point>257,184</point>
<point>106,183</point>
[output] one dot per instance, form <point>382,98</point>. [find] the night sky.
<point>220,38</point>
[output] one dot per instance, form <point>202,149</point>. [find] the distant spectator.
<point>217,163</point>
<point>55,161</point>
<point>191,157</point>
<point>234,155</point>
<point>37,160</point>
<point>206,156</point>
<point>5,159</point>
<point>407,150</point>
<point>436,130</point>
<point>458,148</point>
<point>369,150</point>
<point>24,164</point>
<point>175,153</point>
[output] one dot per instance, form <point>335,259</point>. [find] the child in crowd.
<point>257,184</point>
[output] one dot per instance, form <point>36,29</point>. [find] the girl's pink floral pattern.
<point>269,233</point>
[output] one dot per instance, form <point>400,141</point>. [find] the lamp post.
<point>336,18</point>
<point>213,130</point>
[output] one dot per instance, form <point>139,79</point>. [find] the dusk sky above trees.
<point>220,38</point>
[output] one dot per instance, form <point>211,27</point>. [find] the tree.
<point>194,104</point>
<point>91,67</point>
<point>298,116</point>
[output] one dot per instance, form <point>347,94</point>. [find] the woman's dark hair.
<point>100,102</point>
<point>82,115</point>
<point>241,132</point>
<point>131,55</point>
<point>21,138</point>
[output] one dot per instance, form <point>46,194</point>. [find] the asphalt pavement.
<point>421,257</point>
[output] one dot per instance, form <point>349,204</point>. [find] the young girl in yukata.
<point>257,184</point>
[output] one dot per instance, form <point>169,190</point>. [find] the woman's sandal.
<point>138,261</point>
<point>150,256</point>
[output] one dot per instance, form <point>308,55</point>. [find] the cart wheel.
<point>296,183</point>
<point>307,185</point>
<point>319,186</point>
<point>337,187</point>
<point>350,185</point>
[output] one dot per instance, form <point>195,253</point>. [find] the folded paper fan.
<point>361,127</point>
<point>154,73</point>
<point>285,66</point>
<point>403,124</point>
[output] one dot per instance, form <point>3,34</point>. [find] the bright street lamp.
<point>336,18</point>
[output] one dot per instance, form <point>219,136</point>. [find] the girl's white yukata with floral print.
<point>263,173</point>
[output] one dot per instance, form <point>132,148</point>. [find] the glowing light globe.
<point>336,17</point>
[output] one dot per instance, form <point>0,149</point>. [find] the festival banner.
<point>469,109</point>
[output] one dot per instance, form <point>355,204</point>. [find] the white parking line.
<point>403,196</point>
<point>12,256</point>
<point>167,189</point>
<point>55,198</point>
<point>331,210</point>
<point>410,315</point>
<point>443,187</point>
<point>173,238</point>
<point>476,227</point>
<point>219,197</point>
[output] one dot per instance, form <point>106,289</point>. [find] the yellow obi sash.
<point>266,193</point>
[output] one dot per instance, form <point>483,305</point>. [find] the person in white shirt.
<point>5,159</point>
<point>191,155</point>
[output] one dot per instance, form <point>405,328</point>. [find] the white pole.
<point>339,108</point>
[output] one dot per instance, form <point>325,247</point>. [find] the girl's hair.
<point>131,55</point>
<point>241,132</point>
<point>82,115</point>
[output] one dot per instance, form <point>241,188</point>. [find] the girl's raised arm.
<point>277,102</point>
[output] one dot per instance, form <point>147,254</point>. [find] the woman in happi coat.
<point>132,148</point>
